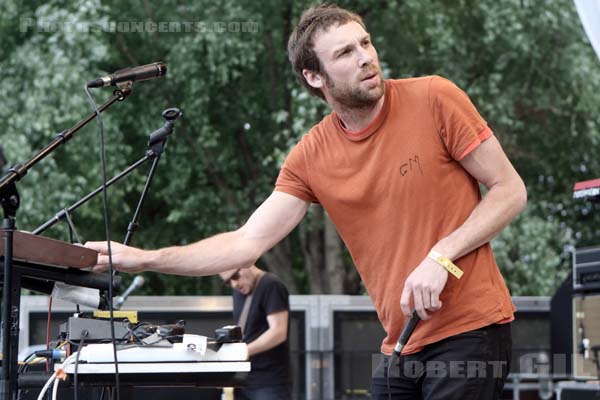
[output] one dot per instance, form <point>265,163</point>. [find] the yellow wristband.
<point>446,263</point>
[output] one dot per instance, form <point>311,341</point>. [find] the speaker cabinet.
<point>586,269</point>
<point>577,391</point>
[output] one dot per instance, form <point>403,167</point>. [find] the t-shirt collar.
<point>372,127</point>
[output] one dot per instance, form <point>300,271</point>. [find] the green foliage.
<point>531,252</point>
<point>526,65</point>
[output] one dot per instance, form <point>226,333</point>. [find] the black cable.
<point>391,361</point>
<point>72,231</point>
<point>84,334</point>
<point>107,234</point>
<point>22,369</point>
<point>26,362</point>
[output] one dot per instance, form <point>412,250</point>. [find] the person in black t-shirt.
<point>265,326</point>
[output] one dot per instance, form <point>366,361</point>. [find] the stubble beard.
<point>355,96</point>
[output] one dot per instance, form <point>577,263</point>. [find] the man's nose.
<point>365,58</point>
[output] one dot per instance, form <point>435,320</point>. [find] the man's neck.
<point>257,272</point>
<point>355,119</point>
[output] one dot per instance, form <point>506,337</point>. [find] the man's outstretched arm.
<point>271,222</point>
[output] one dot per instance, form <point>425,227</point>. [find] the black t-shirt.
<point>271,367</point>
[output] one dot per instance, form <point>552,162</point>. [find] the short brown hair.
<point>300,44</point>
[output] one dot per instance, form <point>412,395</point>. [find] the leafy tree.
<point>526,65</point>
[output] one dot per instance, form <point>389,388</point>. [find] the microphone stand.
<point>156,146</point>
<point>153,152</point>
<point>10,201</point>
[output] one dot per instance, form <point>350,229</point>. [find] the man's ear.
<point>313,78</point>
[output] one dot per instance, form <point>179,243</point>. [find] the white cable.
<point>55,389</point>
<point>69,360</point>
<point>48,383</point>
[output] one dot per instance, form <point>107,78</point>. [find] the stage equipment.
<point>586,335</point>
<point>16,273</point>
<point>586,269</point>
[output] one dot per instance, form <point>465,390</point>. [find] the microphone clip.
<point>123,87</point>
<point>157,138</point>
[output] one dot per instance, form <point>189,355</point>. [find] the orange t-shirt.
<point>393,191</point>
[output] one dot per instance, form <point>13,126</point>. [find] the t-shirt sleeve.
<point>459,124</point>
<point>293,177</point>
<point>276,298</point>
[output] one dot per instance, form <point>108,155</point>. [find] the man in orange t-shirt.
<point>397,166</point>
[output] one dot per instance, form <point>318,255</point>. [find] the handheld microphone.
<point>407,331</point>
<point>141,73</point>
<point>138,282</point>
